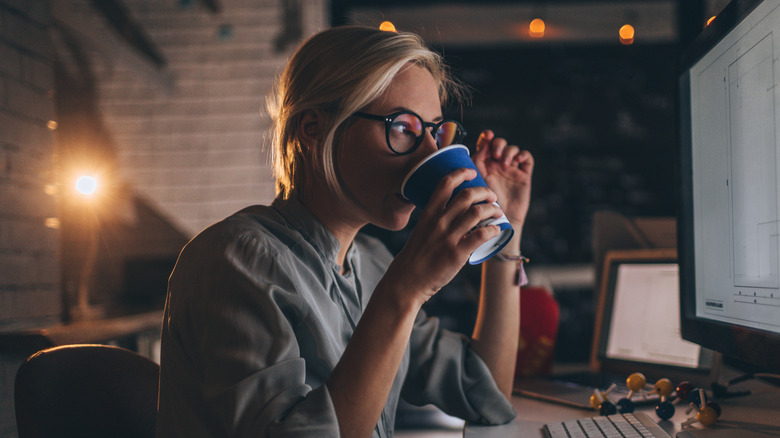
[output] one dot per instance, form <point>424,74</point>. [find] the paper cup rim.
<point>500,241</point>
<point>428,158</point>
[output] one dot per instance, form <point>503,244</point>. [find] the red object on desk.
<point>539,315</point>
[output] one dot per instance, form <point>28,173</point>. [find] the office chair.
<point>86,391</point>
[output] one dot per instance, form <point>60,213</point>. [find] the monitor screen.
<point>644,324</point>
<point>730,162</point>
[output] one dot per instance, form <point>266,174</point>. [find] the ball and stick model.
<point>707,412</point>
<point>664,389</point>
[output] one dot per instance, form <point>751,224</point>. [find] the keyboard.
<point>637,424</point>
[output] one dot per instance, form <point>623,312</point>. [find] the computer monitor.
<point>730,168</point>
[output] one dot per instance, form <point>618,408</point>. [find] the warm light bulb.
<point>52,222</point>
<point>387,26</point>
<point>536,28</point>
<point>86,185</point>
<point>626,34</point>
<point>709,21</point>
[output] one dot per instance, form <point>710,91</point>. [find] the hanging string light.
<point>626,34</point>
<point>536,28</point>
<point>387,26</point>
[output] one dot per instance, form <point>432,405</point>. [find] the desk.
<point>82,332</point>
<point>753,416</point>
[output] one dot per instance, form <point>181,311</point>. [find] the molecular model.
<point>707,412</point>
<point>600,399</point>
<point>664,389</point>
<point>636,384</point>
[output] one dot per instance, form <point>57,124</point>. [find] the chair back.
<point>86,391</point>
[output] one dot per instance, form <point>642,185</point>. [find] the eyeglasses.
<point>404,131</point>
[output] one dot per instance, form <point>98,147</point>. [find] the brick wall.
<point>186,143</point>
<point>28,247</point>
<point>193,141</point>
<point>29,236</point>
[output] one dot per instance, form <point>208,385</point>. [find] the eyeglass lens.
<point>406,130</point>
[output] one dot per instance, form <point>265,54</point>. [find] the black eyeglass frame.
<point>390,118</point>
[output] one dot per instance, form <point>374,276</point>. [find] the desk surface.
<point>756,415</point>
<point>82,332</point>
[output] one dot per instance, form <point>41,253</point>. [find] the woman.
<point>284,320</point>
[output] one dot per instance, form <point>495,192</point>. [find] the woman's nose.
<point>429,143</point>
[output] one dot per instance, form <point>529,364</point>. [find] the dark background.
<point>601,122</point>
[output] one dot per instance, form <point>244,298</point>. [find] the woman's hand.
<point>444,236</point>
<point>507,171</point>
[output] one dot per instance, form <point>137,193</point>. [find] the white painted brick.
<point>236,69</point>
<point>32,135</point>
<point>174,141</point>
<point>221,54</point>
<point>6,301</point>
<point>25,202</point>
<point>201,123</point>
<point>27,167</point>
<point>29,102</point>
<point>3,93</point>
<point>12,269</point>
<point>22,304</point>
<point>35,10</point>
<point>199,176</point>
<point>47,302</point>
<point>38,73</point>
<point>10,62</point>
<point>28,235</point>
<point>235,103</point>
<point>27,35</point>
<point>199,151</point>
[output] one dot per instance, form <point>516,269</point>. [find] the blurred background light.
<point>536,28</point>
<point>387,26</point>
<point>626,33</point>
<point>86,185</point>
<point>52,222</point>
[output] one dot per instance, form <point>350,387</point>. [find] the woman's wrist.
<point>519,278</point>
<point>396,291</point>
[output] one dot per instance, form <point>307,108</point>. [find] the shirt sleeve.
<point>446,372</point>
<point>233,340</point>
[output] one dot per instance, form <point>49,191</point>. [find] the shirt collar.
<point>299,217</point>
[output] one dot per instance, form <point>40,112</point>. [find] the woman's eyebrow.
<point>403,108</point>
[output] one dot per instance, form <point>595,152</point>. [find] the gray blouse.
<point>258,314</point>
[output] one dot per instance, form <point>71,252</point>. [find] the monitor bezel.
<point>600,361</point>
<point>751,348</point>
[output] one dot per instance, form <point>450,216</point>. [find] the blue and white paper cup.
<point>419,184</point>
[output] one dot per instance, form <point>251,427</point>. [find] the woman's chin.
<point>397,222</point>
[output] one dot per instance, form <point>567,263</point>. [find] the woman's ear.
<point>310,128</point>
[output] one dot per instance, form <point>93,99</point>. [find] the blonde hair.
<point>339,71</point>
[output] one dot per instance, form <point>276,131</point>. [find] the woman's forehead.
<point>414,89</point>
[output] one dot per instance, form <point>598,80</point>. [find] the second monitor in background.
<point>637,329</point>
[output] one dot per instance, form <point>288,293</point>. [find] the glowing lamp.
<point>626,34</point>
<point>387,26</point>
<point>536,28</point>
<point>86,185</point>
<point>709,21</point>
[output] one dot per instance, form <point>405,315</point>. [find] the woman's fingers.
<point>443,192</point>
